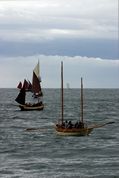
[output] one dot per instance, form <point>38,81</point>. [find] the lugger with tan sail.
<point>65,127</point>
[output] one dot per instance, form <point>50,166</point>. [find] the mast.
<point>62,94</point>
<point>81,100</point>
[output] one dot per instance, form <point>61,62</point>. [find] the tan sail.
<point>36,70</point>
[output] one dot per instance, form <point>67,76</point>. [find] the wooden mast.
<point>81,100</point>
<point>62,94</point>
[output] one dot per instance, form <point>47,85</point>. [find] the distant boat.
<point>34,87</point>
<point>68,86</point>
<point>67,127</point>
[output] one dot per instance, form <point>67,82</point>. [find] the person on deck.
<point>76,125</point>
<point>81,124</point>
<point>70,125</point>
<point>66,124</point>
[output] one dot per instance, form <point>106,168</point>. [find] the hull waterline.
<point>73,131</point>
<point>31,108</point>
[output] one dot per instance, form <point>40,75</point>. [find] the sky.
<point>83,34</point>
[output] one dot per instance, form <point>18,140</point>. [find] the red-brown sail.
<point>19,85</point>
<point>29,86</point>
<point>36,87</point>
<point>25,84</point>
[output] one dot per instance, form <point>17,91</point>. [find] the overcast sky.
<point>82,33</point>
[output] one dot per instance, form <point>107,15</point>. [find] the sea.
<point>41,153</point>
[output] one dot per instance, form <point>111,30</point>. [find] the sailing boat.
<point>36,87</point>
<point>79,128</point>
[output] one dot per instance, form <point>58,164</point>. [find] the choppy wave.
<point>42,153</point>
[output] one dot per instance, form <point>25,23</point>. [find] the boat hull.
<point>31,107</point>
<point>73,131</point>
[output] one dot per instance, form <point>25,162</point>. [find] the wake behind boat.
<point>67,128</point>
<point>36,88</point>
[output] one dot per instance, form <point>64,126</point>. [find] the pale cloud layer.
<point>47,20</point>
<point>97,73</point>
<point>62,28</point>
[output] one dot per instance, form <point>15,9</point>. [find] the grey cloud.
<point>94,17</point>
<point>106,49</point>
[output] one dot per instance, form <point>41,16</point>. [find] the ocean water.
<point>42,153</point>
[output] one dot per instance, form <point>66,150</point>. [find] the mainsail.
<point>36,87</point>
<point>36,71</point>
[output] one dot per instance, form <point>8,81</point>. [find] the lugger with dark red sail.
<point>67,128</point>
<point>35,88</point>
